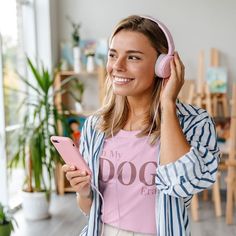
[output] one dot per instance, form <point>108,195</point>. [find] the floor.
<point>66,219</point>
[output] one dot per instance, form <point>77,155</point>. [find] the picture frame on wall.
<point>216,78</point>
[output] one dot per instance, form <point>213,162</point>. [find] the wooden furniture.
<point>63,99</point>
<point>186,94</point>
<point>231,163</point>
<point>209,102</point>
<point>219,100</point>
<point>198,100</point>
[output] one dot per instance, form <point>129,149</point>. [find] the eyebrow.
<point>129,51</point>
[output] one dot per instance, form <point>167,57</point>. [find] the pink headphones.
<point>162,66</point>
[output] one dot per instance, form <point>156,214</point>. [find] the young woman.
<point>148,152</point>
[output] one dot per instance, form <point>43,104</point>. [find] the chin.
<point>120,93</point>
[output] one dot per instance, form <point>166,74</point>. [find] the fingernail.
<point>72,167</point>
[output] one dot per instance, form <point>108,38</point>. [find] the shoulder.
<point>91,125</point>
<point>92,121</point>
<point>192,116</point>
<point>189,110</point>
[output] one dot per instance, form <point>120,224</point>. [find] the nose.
<point>119,64</point>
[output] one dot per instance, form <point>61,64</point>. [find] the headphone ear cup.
<point>162,66</point>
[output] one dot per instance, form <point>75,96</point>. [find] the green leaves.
<point>6,217</point>
<point>40,122</point>
<point>3,218</point>
<point>43,79</point>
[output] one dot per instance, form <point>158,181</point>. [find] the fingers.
<point>81,181</point>
<point>173,68</point>
<point>66,168</point>
<point>82,186</point>
<point>78,180</point>
<point>76,173</point>
<point>179,67</point>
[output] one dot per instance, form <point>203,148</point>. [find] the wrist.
<point>167,102</point>
<point>168,106</point>
<point>88,196</point>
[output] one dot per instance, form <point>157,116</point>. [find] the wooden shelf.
<point>62,183</point>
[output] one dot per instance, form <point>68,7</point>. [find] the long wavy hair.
<point>115,110</point>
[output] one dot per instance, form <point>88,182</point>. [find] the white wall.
<point>195,24</point>
<point>54,31</point>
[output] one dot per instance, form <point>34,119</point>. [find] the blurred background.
<point>52,72</point>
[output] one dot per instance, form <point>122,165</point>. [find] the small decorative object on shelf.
<point>64,65</point>
<point>90,64</point>
<point>90,54</point>
<point>78,107</point>
<point>76,49</point>
<point>77,60</point>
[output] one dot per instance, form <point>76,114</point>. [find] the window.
<point>20,27</point>
<point>13,64</point>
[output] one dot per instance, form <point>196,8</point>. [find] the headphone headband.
<point>171,46</point>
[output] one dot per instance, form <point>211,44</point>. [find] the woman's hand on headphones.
<point>172,85</point>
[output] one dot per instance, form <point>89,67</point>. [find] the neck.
<point>136,119</point>
<point>138,108</point>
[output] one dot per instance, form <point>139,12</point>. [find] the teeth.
<point>121,79</point>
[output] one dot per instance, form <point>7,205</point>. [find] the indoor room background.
<point>197,27</point>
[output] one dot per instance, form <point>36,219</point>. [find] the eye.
<point>111,55</point>
<point>132,57</point>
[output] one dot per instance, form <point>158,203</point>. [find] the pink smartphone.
<point>69,152</point>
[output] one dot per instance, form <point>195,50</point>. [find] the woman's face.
<point>131,62</point>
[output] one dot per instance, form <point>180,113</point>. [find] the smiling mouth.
<point>121,80</point>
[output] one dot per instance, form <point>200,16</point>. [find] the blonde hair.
<point>114,112</point>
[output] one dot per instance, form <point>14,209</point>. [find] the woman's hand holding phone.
<point>78,179</point>
<point>76,169</point>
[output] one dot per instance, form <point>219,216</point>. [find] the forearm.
<point>85,203</point>
<point>173,142</point>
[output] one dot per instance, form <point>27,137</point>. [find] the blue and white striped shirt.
<point>176,182</point>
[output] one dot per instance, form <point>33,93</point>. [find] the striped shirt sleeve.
<point>86,135</point>
<point>196,170</point>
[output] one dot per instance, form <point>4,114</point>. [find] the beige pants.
<point>112,231</point>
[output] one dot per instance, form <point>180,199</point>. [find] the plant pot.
<point>77,59</point>
<point>90,64</point>
<point>5,230</point>
<point>35,205</point>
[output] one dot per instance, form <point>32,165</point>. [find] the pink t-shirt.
<point>127,182</point>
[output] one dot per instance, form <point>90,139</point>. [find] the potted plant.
<point>75,32</point>
<point>35,151</point>
<point>6,222</point>
<point>75,36</point>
